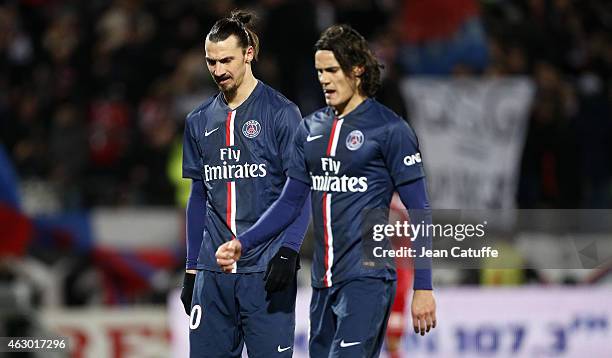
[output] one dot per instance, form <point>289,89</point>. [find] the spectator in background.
<point>26,134</point>
<point>441,37</point>
<point>594,139</point>
<point>68,133</point>
<point>549,178</point>
<point>157,130</point>
<point>290,62</point>
<point>125,35</point>
<point>109,132</point>
<point>63,44</point>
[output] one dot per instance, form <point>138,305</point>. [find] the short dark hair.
<point>351,49</point>
<point>236,24</point>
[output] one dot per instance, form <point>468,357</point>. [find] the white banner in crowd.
<point>472,322</point>
<point>518,322</point>
<point>471,134</point>
<point>489,322</point>
<point>128,332</point>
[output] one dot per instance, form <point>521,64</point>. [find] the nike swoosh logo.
<point>310,139</point>
<point>281,350</point>
<point>344,344</point>
<point>207,133</point>
<point>284,258</point>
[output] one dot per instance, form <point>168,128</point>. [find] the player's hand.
<point>423,311</point>
<point>227,254</point>
<point>187,291</point>
<point>281,269</point>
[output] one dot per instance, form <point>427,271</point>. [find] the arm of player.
<point>291,204</point>
<point>288,131</point>
<point>195,213</point>
<point>414,197</point>
<point>283,266</point>
<point>297,229</point>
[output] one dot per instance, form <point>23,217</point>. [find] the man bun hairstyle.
<point>239,25</point>
<point>351,49</point>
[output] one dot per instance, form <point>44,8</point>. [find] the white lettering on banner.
<point>412,159</point>
<point>469,187</point>
<point>472,131</point>
<point>508,322</point>
<point>112,332</point>
<point>518,322</point>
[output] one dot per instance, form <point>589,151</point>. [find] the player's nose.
<point>218,70</point>
<point>323,79</point>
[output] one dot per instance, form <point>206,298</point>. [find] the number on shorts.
<point>196,312</point>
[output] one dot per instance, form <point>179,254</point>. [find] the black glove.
<point>281,269</point>
<point>187,291</point>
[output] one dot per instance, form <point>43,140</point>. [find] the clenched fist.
<point>228,254</point>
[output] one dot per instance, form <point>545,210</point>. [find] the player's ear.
<point>358,71</point>
<point>249,54</point>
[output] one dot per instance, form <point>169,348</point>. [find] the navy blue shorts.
<point>229,310</point>
<point>349,319</point>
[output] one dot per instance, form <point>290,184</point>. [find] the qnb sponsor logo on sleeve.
<point>232,168</point>
<point>331,181</point>
<point>412,159</point>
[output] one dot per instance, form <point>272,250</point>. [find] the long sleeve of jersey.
<point>414,197</point>
<point>195,213</point>
<point>291,208</point>
<point>297,229</point>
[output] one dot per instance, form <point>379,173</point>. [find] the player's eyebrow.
<point>328,69</point>
<point>222,60</point>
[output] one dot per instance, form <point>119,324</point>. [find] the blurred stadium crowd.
<point>93,94</point>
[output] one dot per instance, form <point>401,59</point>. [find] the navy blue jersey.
<point>353,164</point>
<point>242,156</point>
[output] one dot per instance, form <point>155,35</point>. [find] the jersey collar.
<point>254,94</point>
<point>362,107</point>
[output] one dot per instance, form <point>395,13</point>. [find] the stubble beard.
<point>230,92</point>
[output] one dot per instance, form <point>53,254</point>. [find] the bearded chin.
<point>230,91</point>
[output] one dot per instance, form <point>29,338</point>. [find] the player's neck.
<point>350,105</point>
<point>243,92</point>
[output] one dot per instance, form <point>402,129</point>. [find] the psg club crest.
<point>354,140</point>
<point>251,129</point>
